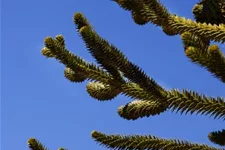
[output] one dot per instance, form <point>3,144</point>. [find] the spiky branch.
<point>115,74</point>
<point>34,144</point>
<point>136,142</point>
<point>218,137</point>
<point>154,11</point>
<point>113,57</point>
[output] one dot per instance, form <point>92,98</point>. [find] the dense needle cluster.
<point>114,74</point>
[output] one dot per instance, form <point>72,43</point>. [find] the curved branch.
<point>36,145</point>
<point>141,108</point>
<point>212,59</point>
<point>217,137</point>
<point>174,23</point>
<point>101,91</point>
<point>76,63</point>
<point>207,31</point>
<point>188,101</point>
<point>116,59</point>
<point>144,142</point>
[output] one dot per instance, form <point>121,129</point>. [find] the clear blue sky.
<point>37,101</point>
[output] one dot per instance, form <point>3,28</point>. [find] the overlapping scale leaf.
<point>217,65</point>
<point>207,31</point>
<point>76,63</point>
<point>138,19</point>
<point>210,11</point>
<point>148,14</point>
<point>74,76</point>
<point>174,22</point>
<point>94,44</point>
<point>131,142</point>
<point>188,101</point>
<point>80,20</point>
<point>160,11</point>
<point>168,31</point>
<point>144,11</point>
<point>217,137</point>
<point>62,149</point>
<point>134,91</point>
<point>129,5</point>
<point>141,108</point>
<point>60,40</point>
<point>189,39</point>
<point>115,58</point>
<point>212,59</point>
<point>34,144</point>
<point>102,91</point>
<point>222,6</point>
<point>47,52</point>
<point>197,11</point>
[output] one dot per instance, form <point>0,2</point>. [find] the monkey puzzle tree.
<point>115,74</point>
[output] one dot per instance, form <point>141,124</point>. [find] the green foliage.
<point>193,102</point>
<point>74,76</point>
<point>212,59</point>
<point>36,145</point>
<point>210,11</point>
<point>145,142</point>
<point>141,108</point>
<point>217,137</point>
<point>114,74</point>
<point>102,91</point>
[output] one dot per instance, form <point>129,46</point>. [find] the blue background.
<point>38,101</point>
